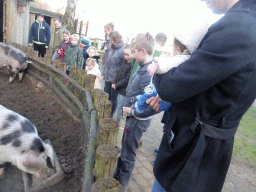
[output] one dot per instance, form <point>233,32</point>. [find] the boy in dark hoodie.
<point>40,35</point>
<point>136,123</point>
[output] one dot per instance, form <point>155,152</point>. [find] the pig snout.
<point>33,163</point>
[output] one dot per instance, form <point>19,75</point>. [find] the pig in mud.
<point>21,146</point>
<point>14,59</point>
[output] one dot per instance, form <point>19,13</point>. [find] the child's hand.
<point>127,110</point>
<point>152,68</point>
<point>85,70</point>
<point>99,77</point>
<point>154,103</point>
<point>114,86</point>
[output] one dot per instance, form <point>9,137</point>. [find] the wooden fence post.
<point>104,109</point>
<point>107,184</point>
<point>89,81</point>
<point>48,59</point>
<point>73,72</point>
<point>107,132</point>
<point>105,161</point>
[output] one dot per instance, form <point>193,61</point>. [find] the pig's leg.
<point>20,76</point>
<point>11,79</point>
<point>12,74</point>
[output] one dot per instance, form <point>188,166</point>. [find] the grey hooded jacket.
<point>114,60</point>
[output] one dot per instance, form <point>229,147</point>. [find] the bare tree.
<point>69,16</point>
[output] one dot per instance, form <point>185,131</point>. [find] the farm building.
<point>16,17</point>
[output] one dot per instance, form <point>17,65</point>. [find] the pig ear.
<point>49,154</point>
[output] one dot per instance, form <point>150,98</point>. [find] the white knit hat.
<point>191,31</point>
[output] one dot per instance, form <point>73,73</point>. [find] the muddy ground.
<point>53,123</point>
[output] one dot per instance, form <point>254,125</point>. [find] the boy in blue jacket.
<point>136,123</point>
<point>40,35</point>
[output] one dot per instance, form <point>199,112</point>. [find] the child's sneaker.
<point>156,151</point>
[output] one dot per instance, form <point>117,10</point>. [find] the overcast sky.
<point>137,16</point>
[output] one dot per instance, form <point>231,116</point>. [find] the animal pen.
<point>86,151</point>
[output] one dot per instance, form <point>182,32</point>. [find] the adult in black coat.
<point>210,92</point>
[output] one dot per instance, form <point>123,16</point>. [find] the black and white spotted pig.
<point>21,146</point>
<point>14,59</point>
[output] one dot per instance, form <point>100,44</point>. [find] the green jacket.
<point>134,67</point>
<point>74,56</point>
<point>58,37</point>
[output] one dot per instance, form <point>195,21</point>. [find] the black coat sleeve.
<point>229,45</point>
<point>124,82</point>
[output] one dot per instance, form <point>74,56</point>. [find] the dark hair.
<point>58,19</point>
<point>161,37</point>
<point>115,36</point>
<point>179,44</point>
<point>39,14</point>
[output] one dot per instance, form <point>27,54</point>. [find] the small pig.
<point>21,146</point>
<point>14,59</point>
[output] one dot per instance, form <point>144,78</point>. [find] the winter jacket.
<point>40,33</point>
<point>113,61</point>
<point>134,67</point>
<point>63,46</point>
<point>58,36</point>
<point>74,56</point>
<point>95,71</point>
<point>210,93</point>
<point>122,77</point>
<point>139,81</point>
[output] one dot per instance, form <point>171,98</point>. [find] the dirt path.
<point>52,123</point>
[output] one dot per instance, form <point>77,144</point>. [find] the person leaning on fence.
<point>64,44</point>
<point>58,36</point>
<point>92,67</point>
<point>113,62</point>
<point>74,54</point>
<point>40,35</point>
<point>136,123</point>
<point>210,92</point>
<point>85,44</point>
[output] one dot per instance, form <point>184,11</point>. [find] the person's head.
<point>90,63</point>
<point>108,28</point>
<point>85,41</point>
<point>74,39</point>
<point>66,35</point>
<point>40,17</point>
<point>115,37</point>
<point>191,32</point>
<point>57,23</point>
<point>178,48</point>
<point>128,53</point>
<point>92,51</point>
<point>143,46</point>
<point>220,6</point>
<point>161,39</point>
